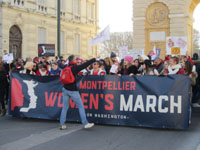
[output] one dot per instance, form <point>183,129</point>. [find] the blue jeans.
<point>77,99</point>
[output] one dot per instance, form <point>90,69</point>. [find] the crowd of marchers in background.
<point>142,65</point>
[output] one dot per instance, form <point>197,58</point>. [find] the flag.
<point>154,53</point>
<point>101,37</point>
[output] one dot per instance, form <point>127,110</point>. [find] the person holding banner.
<point>127,67</point>
<point>28,68</point>
<point>148,68</point>
<point>71,91</point>
<point>55,70</point>
<point>43,71</point>
<point>175,67</point>
<point>159,66</point>
<point>96,69</point>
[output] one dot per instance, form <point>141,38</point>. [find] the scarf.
<point>174,69</point>
<point>43,73</point>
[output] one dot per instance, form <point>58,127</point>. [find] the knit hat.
<point>112,55</point>
<point>79,59</point>
<point>129,59</point>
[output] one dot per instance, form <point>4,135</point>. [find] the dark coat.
<point>75,70</point>
<point>160,68</point>
<point>3,81</point>
<point>132,69</point>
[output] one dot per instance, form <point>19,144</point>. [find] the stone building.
<point>27,23</point>
<point>163,18</point>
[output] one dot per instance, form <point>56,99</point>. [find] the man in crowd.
<point>159,66</point>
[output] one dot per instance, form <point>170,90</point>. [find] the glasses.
<point>94,63</point>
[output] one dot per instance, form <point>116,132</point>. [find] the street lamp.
<point>58,27</point>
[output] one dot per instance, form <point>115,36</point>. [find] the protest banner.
<point>176,45</point>
<point>46,50</point>
<point>126,101</point>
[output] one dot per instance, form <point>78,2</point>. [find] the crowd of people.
<point>142,65</point>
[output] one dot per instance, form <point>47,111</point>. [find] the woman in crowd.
<point>175,67</point>
<point>28,68</point>
<point>35,68</point>
<point>3,85</point>
<point>55,70</point>
<point>193,76</point>
<point>42,71</point>
<point>96,69</point>
<point>188,71</point>
<point>141,59</point>
<point>128,68</point>
<point>136,63</point>
<point>165,68</point>
<point>102,66</point>
<point>108,65</point>
<point>148,68</point>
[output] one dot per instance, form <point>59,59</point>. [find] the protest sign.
<point>137,52</point>
<point>123,51</point>
<point>176,45</point>
<point>8,58</point>
<point>46,50</point>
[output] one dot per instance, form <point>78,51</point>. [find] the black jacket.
<point>132,69</point>
<point>3,80</point>
<point>75,70</point>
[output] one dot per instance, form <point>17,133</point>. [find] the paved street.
<point>32,134</point>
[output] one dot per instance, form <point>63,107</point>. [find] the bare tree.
<point>117,39</point>
<point>196,41</point>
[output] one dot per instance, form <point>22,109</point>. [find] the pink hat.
<point>129,59</point>
<point>79,59</point>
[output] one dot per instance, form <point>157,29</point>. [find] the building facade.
<point>27,23</point>
<point>163,18</point>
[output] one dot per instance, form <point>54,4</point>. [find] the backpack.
<point>66,76</point>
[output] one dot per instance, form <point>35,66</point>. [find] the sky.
<point>197,17</point>
<point>118,15</point>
